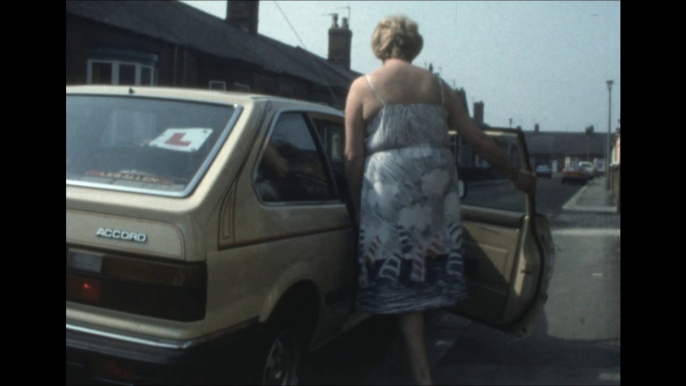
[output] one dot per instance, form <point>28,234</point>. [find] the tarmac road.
<point>577,340</point>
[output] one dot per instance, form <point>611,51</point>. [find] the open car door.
<point>508,247</point>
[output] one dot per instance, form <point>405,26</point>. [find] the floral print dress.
<point>410,237</point>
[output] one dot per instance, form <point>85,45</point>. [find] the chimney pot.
<point>479,112</point>
<point>243,14</point>
<point>340,40</point>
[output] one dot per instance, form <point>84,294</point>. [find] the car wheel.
<point>280,354</point>
<point>281,362</point>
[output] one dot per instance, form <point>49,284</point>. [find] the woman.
<point>403,182</point>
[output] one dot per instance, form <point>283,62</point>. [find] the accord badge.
<point>122,235</point>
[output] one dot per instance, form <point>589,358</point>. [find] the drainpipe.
<point>185,57</point>
<point>176,51</point>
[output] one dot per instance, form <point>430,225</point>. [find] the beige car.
<point>209,238</point>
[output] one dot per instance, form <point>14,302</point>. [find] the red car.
<point>573,173</point>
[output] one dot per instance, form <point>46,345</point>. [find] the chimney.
<point>479,112</point>
<point>536,128</point>
<point>243,14</point>
<point>340,39</point>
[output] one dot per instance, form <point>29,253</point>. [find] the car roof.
<point>199,95</point>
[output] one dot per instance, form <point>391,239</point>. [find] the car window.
<point>156,146</point>
<point>291,168</point>
<point>486,186</point>
<point>331,134</point>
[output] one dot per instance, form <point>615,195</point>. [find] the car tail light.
<point>84,289</point>
<point>108,368</point>
<point>137,284</point>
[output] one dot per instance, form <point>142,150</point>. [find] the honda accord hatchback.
<point>209,238</point>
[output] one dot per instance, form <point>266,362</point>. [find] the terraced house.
<point>169,43</point>
<point>559,149</point>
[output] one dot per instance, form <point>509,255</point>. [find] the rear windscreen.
<point>147,145</point>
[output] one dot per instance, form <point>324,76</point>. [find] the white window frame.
<point>115,71</point>
<point>243,87</point>
<point>217,83</point>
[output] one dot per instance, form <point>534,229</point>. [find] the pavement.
<point>594,198</point>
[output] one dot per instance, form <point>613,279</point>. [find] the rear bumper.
<point>127,360</point>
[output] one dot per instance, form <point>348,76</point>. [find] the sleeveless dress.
<point>410,237</point>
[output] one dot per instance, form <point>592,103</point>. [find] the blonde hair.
<point>397,37</point>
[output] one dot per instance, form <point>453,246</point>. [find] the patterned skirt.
<point>410,239</point>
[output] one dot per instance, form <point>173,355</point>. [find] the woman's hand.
<point>526,182</point>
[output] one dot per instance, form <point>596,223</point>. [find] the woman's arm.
<point>354,145</point>
<point>484,146</point>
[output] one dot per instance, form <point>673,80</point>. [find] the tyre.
<point>280,362</point>
<point>281,350</point>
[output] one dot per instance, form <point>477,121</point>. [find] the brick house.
<point>559,149</point>
<point>169,43</point>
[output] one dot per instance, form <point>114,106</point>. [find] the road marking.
<point>593,209</point>
<point>597,274</point>
<point>587,232</point>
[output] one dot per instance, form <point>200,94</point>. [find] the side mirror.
<point>462,187</point>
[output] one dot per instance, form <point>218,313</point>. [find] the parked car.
<point>589,169</point>
<point>573,173</point>
<point>544,171</point>
<point>209,237</point>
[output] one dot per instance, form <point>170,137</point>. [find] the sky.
<point>544,62</point>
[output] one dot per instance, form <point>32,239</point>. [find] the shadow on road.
<point>354,356</point>
<point>488,356</point>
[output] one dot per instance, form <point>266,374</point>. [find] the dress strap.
<point>440,83</point>
<point>375,92</point>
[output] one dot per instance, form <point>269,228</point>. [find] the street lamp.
<point>609,123</point>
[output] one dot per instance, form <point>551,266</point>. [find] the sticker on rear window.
<point>130,175</point>
<point>186,140</point>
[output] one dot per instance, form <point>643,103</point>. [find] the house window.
<point>118,72</point>
<point>217,85</point>
<point>241,87</point>
<point>481,163</point>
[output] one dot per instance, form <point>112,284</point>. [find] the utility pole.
<point>609,123</point>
